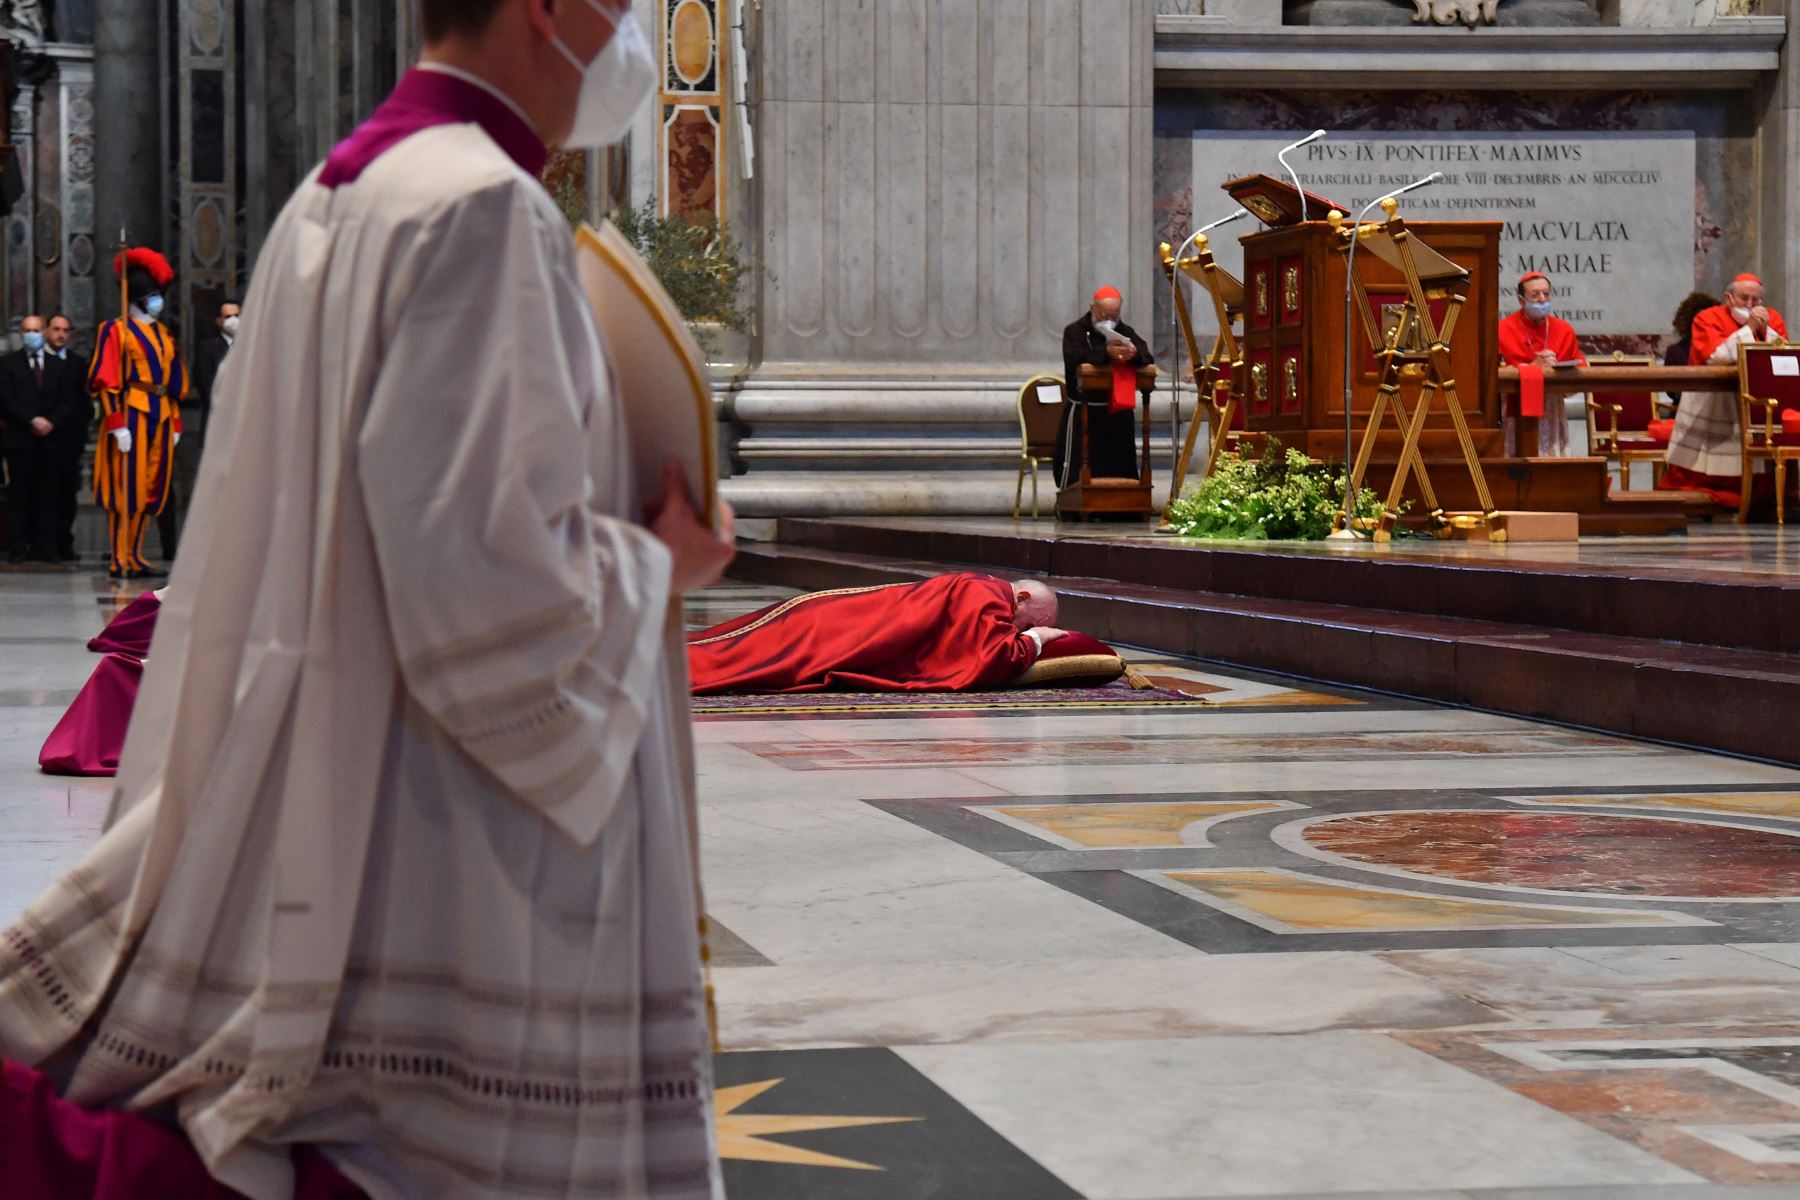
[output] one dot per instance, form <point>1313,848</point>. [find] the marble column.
<point>129,163</point>
<point>942,184</point>
<point>20,226</point>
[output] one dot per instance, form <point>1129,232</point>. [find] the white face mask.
<point>613,87</point>
<point>231,324</point>
<point>1740,314</point>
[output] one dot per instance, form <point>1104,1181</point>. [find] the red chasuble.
<point>1521,339</point>
<point>950,634</point>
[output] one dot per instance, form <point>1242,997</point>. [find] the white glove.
<point>175,442</point>
<point>122,439</point>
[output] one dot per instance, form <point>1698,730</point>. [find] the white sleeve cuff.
<point>1037,640</point>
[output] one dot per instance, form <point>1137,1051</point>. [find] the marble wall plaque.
<point>1608,216</point>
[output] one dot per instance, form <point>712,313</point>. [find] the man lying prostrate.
<point>954,633</point>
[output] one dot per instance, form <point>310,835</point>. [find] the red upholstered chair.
<point>1768,384</point>
<point>1623,427</point>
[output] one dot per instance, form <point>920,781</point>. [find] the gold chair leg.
<point>1743,517</point>
<point>1781,491</point>
<point>1019,489</point>
<point>1034,489</point>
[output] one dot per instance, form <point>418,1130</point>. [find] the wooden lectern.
<point>1082,495</point>
<point>1295,328</point>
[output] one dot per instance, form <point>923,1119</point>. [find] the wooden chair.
<point>1039,421</point>
<point>1622,425</point>
<point>1768,382</point>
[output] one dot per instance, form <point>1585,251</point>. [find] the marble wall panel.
<point>904,75</point>
<point>966,170</point>
<point>851,152</point>
<point>901,230</point>
<point>1727,238</point>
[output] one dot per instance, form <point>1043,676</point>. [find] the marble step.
<point>1731,701</point>
<point>1529,586</point>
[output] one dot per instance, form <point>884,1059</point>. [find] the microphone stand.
<point>1349,529</point>
<point>1281,157</point>
<point>1175,333</point>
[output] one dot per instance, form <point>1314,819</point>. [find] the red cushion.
<point>1790,420</point>
<point>1100,664</point>
<point>1071,644</point>
<point>1660,431</point>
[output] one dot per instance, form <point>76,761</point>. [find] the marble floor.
<point>1257,940</point>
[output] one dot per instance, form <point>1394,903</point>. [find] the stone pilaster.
<point>1778,227</point>
<point>81,248</point>
<point>20,226</point>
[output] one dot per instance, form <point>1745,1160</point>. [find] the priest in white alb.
<point>400,867</point>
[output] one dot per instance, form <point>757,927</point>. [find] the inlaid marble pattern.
<point>1722,1103</point>
<point>1573,852</point>
<point>1259,940</point>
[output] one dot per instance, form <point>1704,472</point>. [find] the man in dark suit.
<point>57,337</point>
<point>1112,444</point>
<point>42,398</point>
<point>209,356</point>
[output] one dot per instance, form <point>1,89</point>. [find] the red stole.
<point>951,633</point>
<point>1124,388</point>
<point>1520,341</point>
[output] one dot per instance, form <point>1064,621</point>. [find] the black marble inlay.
<point>207,113</point>
<point>1127,880</point>
<point>1774,1061</point>
<point>941,1149</point>
<point>730,950</point>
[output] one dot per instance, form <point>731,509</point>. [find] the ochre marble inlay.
<point>1324,906</point>
<point>1130,825</point>
<point>1573,852</point>
<point>1747,804</point>
<point>745,1136</point>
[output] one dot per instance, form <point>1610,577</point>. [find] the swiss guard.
<point>138,378</point>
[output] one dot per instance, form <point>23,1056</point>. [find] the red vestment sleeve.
<point>1713,326</point>
<point>951,633</point>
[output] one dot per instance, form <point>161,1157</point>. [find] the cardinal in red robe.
<point>953,633</point>
<point>1532,339</point>
<point>1706,450</point>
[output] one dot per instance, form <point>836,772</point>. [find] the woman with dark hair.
<point>1677,354</point>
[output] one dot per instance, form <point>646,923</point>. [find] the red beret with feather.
<point>146,260</point>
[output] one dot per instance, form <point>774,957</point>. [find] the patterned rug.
<point>1109,696</point>
<point>925,703</point>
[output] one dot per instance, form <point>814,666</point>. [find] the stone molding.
<point>1211,52</point>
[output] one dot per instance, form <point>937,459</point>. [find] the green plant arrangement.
<point>699,263</point>
<point>1281,496</point>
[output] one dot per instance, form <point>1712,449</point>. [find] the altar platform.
<point>1689,640</point>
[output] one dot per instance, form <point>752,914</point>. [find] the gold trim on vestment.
<point>788,605</point>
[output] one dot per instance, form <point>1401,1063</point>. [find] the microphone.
<point>1281,156</point>
<point>1349,530</point>
<point>1242,212</point>
<point>1401,191</point>
<point>1174,333</point>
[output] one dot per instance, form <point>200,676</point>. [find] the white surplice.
<point>1706,437</point>
<point>400,864</point>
